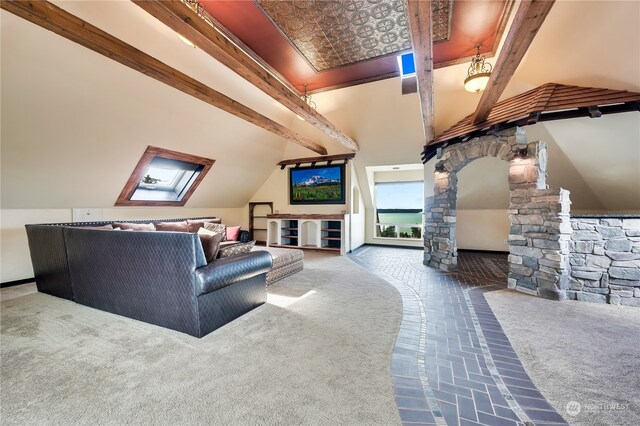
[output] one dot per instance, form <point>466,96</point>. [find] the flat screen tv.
<point>317,185</point>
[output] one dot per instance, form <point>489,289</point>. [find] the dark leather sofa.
<point>157,277</point>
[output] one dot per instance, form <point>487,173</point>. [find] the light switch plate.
<point>87,215</point>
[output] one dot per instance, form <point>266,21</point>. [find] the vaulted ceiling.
<point>329,44</point>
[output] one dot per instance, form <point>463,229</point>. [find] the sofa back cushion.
<point>172,226</point>
<point>194,225</point>
<point>125,226</point>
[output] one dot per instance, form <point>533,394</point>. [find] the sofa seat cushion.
<point>281,256</point>
<point>285,262</point>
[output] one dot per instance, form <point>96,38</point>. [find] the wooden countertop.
<point>306,216</point>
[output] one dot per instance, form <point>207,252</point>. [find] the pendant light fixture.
<point>478,73</point>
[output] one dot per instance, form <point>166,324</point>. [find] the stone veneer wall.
<point>605,260</point>
<point>539,217</point>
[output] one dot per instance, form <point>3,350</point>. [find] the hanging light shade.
<point>478,73</point>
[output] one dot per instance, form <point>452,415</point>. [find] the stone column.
<point>440,223</point>
<point>539,242</point>
<point>539,217</point>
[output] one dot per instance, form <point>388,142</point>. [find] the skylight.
<point>407,65</point>
<point>164,177</point>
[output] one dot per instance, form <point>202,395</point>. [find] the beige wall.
<point>15,263</point>
<point>482,229</point>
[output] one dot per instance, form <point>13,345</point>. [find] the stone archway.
<point>540,227</point>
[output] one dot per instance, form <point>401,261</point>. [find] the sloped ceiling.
<point>75,123</point>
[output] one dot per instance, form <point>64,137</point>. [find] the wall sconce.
<point>307,98</point>
<point>440,168</point>
<point>521,154</point>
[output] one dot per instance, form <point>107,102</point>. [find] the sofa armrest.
<point>244,237</point>
<point>223,272</point>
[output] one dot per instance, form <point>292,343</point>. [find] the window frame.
<point>124,199</point>
<point>377,224</point>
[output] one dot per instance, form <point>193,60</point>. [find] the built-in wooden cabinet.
<point>307,231</point>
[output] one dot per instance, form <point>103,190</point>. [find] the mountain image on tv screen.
<point>317,184</point>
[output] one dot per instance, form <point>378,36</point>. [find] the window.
<point>407,65</point>
<point>164,178</point>
<point>399,209</point>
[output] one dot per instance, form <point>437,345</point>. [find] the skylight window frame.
<point>140,170</point>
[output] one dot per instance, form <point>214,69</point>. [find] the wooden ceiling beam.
<point>185,21</point>
<point>419,13</point>
<point>57,20</point>
<point>529,17</point>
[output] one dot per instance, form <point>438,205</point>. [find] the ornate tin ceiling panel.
<point>330,34</point>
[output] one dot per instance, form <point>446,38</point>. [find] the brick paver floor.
<point>452,363</point>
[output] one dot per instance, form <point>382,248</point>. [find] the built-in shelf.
<point>325,232</point>
<point>262,208</point>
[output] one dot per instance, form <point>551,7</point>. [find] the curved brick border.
<point>452,363</point>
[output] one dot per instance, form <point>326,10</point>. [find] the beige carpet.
<point>577,351</point>
<point>318,353</point>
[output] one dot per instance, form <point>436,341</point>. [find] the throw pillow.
<point>172,226</point>
<point>103,227</point>
<point>232,233</point>
<point>210,243</point>
<point>134,226</point>
<point>235,249</point>
<point>194,225</point>
<point>219,228</point>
